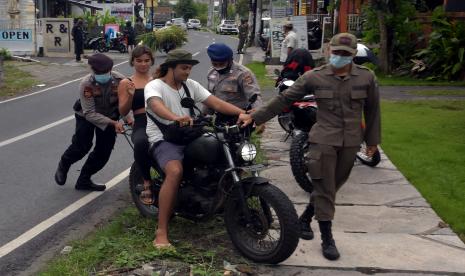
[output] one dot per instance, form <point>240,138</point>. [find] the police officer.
<point>230,81</point>
<point>96,111</point>
<point>345,93</point>
<point>243,32</point>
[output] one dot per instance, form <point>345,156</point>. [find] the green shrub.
<point>155,40</point>
<point>5,53</point>
<point>445,53</point>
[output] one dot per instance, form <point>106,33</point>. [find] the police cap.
<point>219,52</point>
<point>100,63</point>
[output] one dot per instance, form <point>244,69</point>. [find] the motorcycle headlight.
<point>248,152</point>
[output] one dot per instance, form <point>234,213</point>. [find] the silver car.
<point>193,24</point>
<point>228,27</point>
<point>180,23</point>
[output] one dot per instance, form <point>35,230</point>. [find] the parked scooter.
<point>221,177</point>
<point>118,44</point>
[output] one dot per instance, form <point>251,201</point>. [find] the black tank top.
<point>138,99</point>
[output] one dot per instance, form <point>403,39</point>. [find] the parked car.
<point>193,24</point>
<point>180,23</point>
<point>227,27</point>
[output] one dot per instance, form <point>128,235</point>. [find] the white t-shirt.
<point>289,41</point>
<point>172,100</point>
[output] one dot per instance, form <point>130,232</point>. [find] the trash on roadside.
<point>66,250</point>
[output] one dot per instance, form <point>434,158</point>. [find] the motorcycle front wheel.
<point>297,158</point>
<point>136,186</point>
<point>272,234</point>
<point>102,47</point>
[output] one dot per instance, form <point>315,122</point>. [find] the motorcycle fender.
<point>249,182</point>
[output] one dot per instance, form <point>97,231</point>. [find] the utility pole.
<point>210,14</point>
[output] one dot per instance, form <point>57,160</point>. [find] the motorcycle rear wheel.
<point>101,47</point>
<point>270,208</point>
<point>297,158</point>
<point>136,186</point>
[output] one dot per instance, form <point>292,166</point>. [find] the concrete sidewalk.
<point>382,223</point>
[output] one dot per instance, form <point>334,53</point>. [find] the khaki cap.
<point>344,41</point>
<point>180,56</point>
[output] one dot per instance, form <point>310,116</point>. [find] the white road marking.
<point>44,225</point>
<point>196,54</point>
<point>241,58</point>
<point>49,88</point>
<point>35,131</point>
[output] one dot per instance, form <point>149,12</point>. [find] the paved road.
<point>29,194</point>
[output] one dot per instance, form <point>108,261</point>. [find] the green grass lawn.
<point>15,80</point>
<point>437,92</point>
<point>407,81</point>
<point>426,141</point>
<point>258,68</point>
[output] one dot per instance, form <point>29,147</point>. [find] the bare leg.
<point>167,198</point>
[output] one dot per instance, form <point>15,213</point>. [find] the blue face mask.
<point>103,78</point>
<point>340,61</point>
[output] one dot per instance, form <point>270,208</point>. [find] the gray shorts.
<point>166,151</point>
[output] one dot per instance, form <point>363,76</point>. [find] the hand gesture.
<point>244,119</point>
<point>130,87</point>
<point>119,128</point>
<point>184,121</point>
<point>370,150</point>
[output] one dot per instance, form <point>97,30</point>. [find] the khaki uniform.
<point>336,136</point>
<point>235,87</point>
<point>243,31</point>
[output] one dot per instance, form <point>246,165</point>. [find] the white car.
<point>180,23</point>
<point>194,24</point>
<point>227,27</point>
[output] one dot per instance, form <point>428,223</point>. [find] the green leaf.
<point>461,52</point>
<point>456,68</point>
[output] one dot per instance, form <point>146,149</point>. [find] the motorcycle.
<point>221,177</point>
<point>314,34</point>
<point>118,43</point>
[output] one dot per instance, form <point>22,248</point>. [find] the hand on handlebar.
<point>184,121</point>
<point>244,120</point>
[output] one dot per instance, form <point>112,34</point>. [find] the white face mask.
<point>340,61</point>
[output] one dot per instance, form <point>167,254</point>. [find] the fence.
<point>353,23</point>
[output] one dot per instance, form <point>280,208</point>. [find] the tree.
<point>388,22</point>
<point>185,9</point>
<point>242,8</point>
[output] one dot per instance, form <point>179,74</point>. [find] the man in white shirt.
<point>289,43</point>
<point>163,101</point>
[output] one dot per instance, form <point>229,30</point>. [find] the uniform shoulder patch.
<point>88,92</point>
<point>248,79</point>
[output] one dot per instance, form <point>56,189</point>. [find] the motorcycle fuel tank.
<point>205,150</point>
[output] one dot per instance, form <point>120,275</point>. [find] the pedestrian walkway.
<point>382,222</point>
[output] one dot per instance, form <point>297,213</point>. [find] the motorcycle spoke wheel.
<point>298,156</point>
<point>272,234</point>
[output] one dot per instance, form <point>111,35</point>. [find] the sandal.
<point>146,196</point>
<point>163,246</point>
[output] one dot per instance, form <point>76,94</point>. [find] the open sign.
<point>16,35</point>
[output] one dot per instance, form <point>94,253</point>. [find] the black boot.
<point>61,173</point>
<point>85,183</point>
<point>328,245</point>
<point>305,219</point>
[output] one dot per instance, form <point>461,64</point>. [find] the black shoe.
<point>305,219</point>
<point>330,250</point>
<point>61,173</point>
<point>328,245</point>
<point>306,232</point>
<point>88,185</point>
